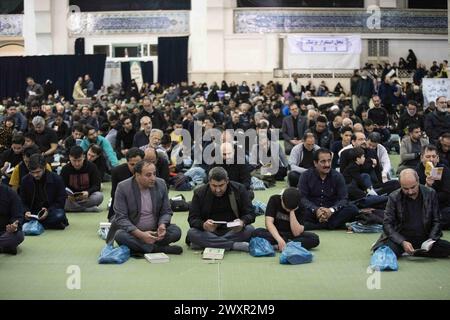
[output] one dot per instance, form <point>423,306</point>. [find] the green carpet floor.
<point>42,270</point>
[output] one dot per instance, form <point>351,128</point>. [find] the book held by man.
<point>159,257</point>
<point>74,194</point>
<point>426,246</point>
<point>231,224</point>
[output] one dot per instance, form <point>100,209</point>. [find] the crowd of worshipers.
<point>334,157</point>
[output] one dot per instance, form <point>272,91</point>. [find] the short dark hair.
<point>368,122</point>
<point>18,139</point>
<point>78,127</point>
<point>318,152</point>
<point>30,150</point>
<point>355,153</point>
<point>76,152</point>
<point>96,149</point>
<point>412,102</point>
<point>166,139</point>
<point>11,119</point>
<point>375,137</point>
<point>291,198</point>
<point>135,152</point>
<point>345,129</point>
<point>37,161</point>
<point>413,126</point>
<point>429,147</point>
<point>88,128</point>
<point>141,164</point>
<point>217,174</point>
<point>322,119</point>
<point>30,135</point>
<point>445,135</point>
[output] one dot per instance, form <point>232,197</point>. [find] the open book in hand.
<point>436,173</point>
<point>74,194</point>
<point>425,247</point>
<point>9,169</point>
<point>38,215</point>
<point>230,224</point>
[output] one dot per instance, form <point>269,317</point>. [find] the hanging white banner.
<point>136,73</point>
<point>323,52</point>
<point>435,88</point>
<point>113,73</point>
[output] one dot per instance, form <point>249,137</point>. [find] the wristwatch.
<point>332,210</point>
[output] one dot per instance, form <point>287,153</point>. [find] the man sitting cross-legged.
<point>142,213</point>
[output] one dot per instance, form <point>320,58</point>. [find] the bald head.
<point>150,155</point>
<point>409,182</point>
<point>227,151</point>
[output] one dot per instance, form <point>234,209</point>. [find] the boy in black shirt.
<point>284,222</point>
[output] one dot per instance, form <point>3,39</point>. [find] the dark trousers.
<point>308,240</point>
<point>440,249</point>
<point>56,219</point>
<point>222,240</point>
<point>293,178</point>
<point>445,218</point>
<point>11,240</point>
<point>336,221</point>
<point>173,234</point>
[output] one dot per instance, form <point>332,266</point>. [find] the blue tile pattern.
<point>11,25</point>
<point>166,22</point>
<point>355,21</point>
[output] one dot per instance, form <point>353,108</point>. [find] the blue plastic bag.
<point>113,255</point>
<point>260,247</point>
<point>33,228</point>
<point>357,227</point>
<point>384,259</point>
<point>294,253</point>
<point>260,207</point>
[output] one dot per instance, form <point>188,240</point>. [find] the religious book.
<point>159,257</point>
<point>213,254</point>
<point>425,247</point>
<point>10,169</point>
<point>105,225</point>
<point>38,215</point>
<point>436,173</point>
<point>71,193</point>
<point>230,224</point>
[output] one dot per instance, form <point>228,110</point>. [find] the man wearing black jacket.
<point>11,219</point>
<point>412,217</point>
<point>156,116</point>
<point>442,186</point>
<point>221,200</point>
<point>123,172</point>
<point>42,190</point>
<point>236,170</point>
<point>83,179</point>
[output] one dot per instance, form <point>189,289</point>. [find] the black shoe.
<point>12,251</point>
<point>169,249</point>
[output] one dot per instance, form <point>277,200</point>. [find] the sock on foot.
<point>241,246</point>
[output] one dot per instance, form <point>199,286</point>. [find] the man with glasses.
<point>324,195</point>
<point>438,122</point>
<point>411,218</point>
<point>142,137</point>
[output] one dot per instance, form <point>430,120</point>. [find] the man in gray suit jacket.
<point>142,213</point>
<point>293,134</point>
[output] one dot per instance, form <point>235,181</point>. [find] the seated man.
<point>142,213</point>
<point>74,139</point>
<point>142,137</point>
<point>21,170</point>
<point>324,137</point>
<point>123,172</point>
<point>411,147</point>
<point>324,195</point>
<point>220,200</point>
<point>44,190</point>
<point>301,158</point>
<point>91,136</point>
<point>293,128</point>
<point>237,170</point>
<point>444,148</point>
<point>412,217</point>
<point>160,162</point>
<point>442,186</point>
<point>46,138</point>
<point>95,155</point>
<point>11,157</point>
<point>11,219</point>
<point>125,136</point>
<point>83,179</point>
<point>284,222</point>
